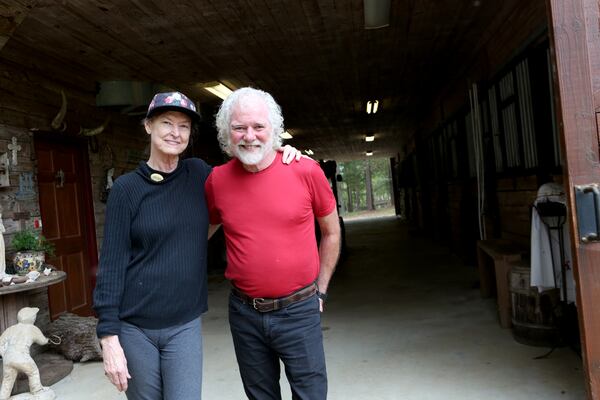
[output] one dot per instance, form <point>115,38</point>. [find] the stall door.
<point>64,196</point>
<point>575,30</point>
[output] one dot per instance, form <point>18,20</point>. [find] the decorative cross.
<point>14,147</point>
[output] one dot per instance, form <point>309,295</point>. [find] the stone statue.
<point>2,248</point>
<point>14,349</point>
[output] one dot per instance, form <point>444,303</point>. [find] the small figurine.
<point>109,184</point>
<point>14,349</point>
<point>109,178</point>
<point>14,147</point>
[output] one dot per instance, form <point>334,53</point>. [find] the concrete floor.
<point>404,321</point>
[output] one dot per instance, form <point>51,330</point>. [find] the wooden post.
<point>575,43</point>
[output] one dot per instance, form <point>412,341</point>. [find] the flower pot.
<point>26,261</point>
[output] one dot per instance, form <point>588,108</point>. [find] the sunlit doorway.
<point>365,189</point>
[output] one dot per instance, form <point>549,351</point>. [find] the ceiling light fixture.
<point>286,135</point>
<point>369,153</point>
<point>372,106</point>
<point>369,138</point>
<point>377,13</point>
<point>218,89</point>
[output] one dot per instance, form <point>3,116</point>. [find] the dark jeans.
<point>292,335</point>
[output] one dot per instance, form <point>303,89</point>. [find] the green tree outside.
<point>353,188</point>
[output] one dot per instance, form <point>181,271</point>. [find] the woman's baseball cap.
<point>172,101</point>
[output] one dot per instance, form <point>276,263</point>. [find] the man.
<point>278,274</point>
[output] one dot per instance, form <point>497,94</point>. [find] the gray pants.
<point>164,363</point>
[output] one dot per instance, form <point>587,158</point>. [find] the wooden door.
<point>67,220</point>
<point>575,42</point>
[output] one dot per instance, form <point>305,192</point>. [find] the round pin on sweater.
<point>156,177</point>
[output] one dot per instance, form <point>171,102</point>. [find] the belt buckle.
<point>256,302</point>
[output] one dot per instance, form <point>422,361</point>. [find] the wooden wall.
<point>453,202</point>
<point>512,30</point>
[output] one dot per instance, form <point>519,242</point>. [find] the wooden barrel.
<point>533,320</point>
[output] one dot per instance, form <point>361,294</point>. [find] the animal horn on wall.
<point>95,131</point>
<point>57,122</point>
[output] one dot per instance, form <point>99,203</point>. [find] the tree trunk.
<point>350,200</point>
<point>369,186</point>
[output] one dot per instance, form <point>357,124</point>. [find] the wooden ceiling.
<point>314,56</point>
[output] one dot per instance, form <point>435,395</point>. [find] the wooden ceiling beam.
<point>12,14</point>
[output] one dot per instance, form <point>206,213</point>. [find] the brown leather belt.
<point>266,305</point>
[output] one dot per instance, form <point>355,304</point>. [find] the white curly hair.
<point>223,117</point>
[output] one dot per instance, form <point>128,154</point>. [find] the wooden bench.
<point>493,260</point>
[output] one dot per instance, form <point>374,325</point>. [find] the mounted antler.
<point>95,131</point>
<point>57,122</point>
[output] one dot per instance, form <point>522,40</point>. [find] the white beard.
<point>253,157</point>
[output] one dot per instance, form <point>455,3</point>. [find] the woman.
<point>151,287</point>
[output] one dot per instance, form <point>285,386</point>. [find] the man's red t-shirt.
<point>268,219</point>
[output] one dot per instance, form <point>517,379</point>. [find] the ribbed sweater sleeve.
<point>114,258</point>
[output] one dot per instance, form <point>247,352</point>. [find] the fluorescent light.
<point>369,153</point>
<point>372,106</point>
<point>369,138</point>
<point>219,90</point>
<point>309,152</point>
<point>286,135</point>
<point>377,13</point>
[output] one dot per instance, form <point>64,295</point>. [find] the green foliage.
<point>380,177</point>
<point>30,240</point>
<point>353,175</point>
<point>354,189</point>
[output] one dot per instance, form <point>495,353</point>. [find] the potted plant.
<point>31,247</point>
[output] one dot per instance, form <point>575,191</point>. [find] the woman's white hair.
<point>223,117</point>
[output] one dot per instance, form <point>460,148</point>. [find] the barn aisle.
<point>406,321</point>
